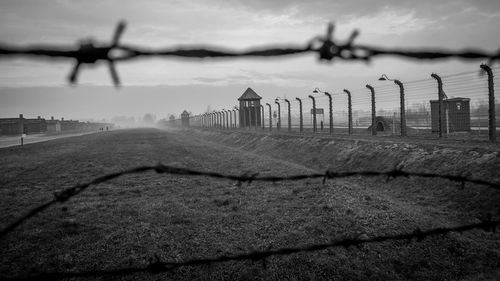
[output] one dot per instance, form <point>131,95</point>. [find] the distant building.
<point>21,125</point>
<point>250,110</point>
<point>53,125</point>
<point>185,119</point>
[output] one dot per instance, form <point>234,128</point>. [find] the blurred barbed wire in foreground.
<point>156,266</point>
<point>65,194</point>
<point>327,48</point>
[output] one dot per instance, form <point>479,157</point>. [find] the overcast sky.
<point>166,85</point>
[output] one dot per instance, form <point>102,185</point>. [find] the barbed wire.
<point>89,52</point>
<point>157,266</point>
<point>66,194</point>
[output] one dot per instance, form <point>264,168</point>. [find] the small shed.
<point>250,112</point>
<point>185,119</point>
<point>456,115</point>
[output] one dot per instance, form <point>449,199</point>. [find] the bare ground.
<point>132,219</point>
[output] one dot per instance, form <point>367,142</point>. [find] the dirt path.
<point>16,141</point>
<point>131,219</point>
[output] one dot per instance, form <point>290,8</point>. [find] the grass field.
<point>133,219</point>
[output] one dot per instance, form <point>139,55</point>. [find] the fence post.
<point>234,115</point>
<point>374,129</point>
<point>492,127</point>
<point>256,111</point>
<point>440,104</point>
<point>402,105</point>
<point>278,126</point>
<point>262,117</point>
<point>289,116</point>
<point>228,116</point>
<point>301,122</point>
<point>349,110</point>
<point>221,119</point>
<point>330,111</point>
<point>270,117</point>
<point>314,113</point>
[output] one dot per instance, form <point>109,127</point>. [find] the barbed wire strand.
<point>157,266</point>
<point>89,52</point>
<point>66,194</point>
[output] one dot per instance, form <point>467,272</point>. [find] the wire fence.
<point>469,110</point>
<point>158,266</point>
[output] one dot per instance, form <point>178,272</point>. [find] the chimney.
<point>39,117</point>
<point>52,118</point>
<point>20,116</point>
<point>62,118</point>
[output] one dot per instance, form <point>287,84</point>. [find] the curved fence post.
<point>402,106</point>
<point>262,116</point>
<point>270,117</point>
<point>440,104</point>
<point>374,128</point>
<point>491,104</point>
<point>314,113</point>
<point>330,111</point>
<point>349,109</point>
<point>278,126</point>
<point>256,113</point>
<point>301,122</point>
<point>289,116</point>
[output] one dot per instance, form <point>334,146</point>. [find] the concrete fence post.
<point>491,104</point>
<point>262,117</point>
<point>301,121</point>
<point>314,113</point>
<point>349,110</point>
<point>402,106</point>
<point>270,117</point>
<point>278,126</point>
<point>374,128</point>
<point>289,116</point>
<point>440,104</point>
<point>330,111</point>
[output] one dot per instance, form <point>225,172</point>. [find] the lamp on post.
<point>330,107</point>
<point>401,100</point>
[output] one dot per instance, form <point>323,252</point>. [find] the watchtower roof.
<point>249,94</point>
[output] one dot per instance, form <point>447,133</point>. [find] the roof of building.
<point>185,112</point>
<point>452,100</point>
<point>250,94</point>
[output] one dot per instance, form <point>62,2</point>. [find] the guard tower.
<point>171,119</point>
<point>185,119</point>
<point>250,114</point>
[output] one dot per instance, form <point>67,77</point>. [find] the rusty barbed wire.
<point>156,266</point>
<point>328,49</point>
<point>65,194</point>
